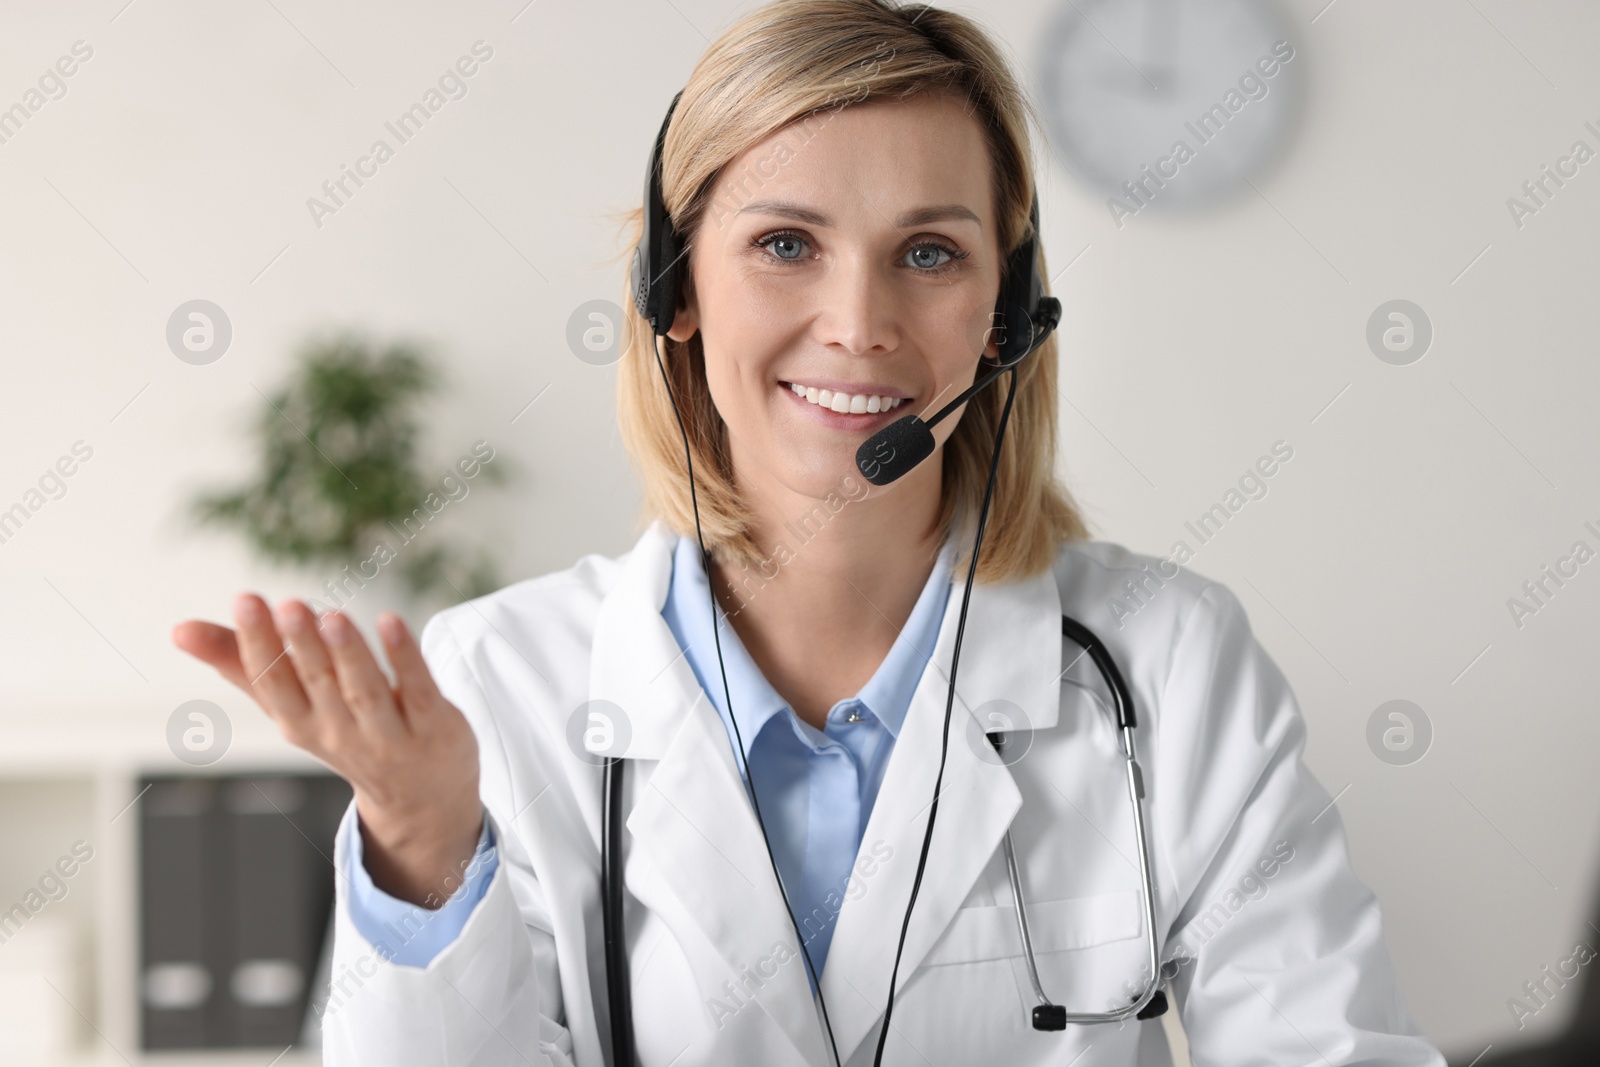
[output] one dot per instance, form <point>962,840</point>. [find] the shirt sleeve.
<point>383,919</point>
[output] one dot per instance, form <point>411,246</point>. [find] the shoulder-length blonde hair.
<point>791,62</point>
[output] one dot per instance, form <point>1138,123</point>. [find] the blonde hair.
<point>785,63</point>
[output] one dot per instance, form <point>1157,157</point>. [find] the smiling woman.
<point>672,787</point>
<point>867,269</point>
<point>825,240</point>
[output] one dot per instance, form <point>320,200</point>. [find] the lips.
<point>865,402</point>
<point>863,422</point>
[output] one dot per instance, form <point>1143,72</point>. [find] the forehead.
<point>863,159</point>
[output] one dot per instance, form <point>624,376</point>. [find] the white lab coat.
<point>1270,970</point>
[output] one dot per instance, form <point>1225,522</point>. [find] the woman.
<point>850,179</point>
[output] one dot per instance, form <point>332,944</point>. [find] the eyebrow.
<point>915,217</point>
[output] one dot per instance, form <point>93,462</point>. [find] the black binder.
<point>236,890</point>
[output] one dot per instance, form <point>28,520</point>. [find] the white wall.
<point>179,162</point>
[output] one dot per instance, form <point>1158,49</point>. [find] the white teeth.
<point>855,404</point>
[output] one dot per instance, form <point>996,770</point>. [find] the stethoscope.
<point>1046,1014</point>
<point>1023,318</point>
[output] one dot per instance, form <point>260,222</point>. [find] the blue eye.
<point>787,246</point>
<point>927,248</point>
<point>932,258</point>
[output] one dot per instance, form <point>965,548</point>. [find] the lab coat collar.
<point>755,702</point>
<point>695,824</point>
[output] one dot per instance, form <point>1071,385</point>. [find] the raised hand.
<point>407,752</point>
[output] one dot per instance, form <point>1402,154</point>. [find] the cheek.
<point>736,367</point>
<point>959,334</point>
<point>749,338</point>
<point>983,330</point>
<point>956,344</point>
<point>955,349</point>
<point>722,378</point>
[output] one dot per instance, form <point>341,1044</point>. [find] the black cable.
<point>750,787</point>
<point>618,987</point>
<point>949,704</point>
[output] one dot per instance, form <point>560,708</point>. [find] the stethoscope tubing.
<point>619,992</point>
<point>1147,899</point>
<point>618,983</point>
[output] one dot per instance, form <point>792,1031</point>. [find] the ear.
<point>686,319</point>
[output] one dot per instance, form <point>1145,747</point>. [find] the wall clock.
<point>1169,103</point>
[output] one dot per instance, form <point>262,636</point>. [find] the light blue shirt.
<point>816,787</point>
<point>409,934</point>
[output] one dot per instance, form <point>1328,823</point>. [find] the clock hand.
<point>1124,85</point>
<point>1153,82</point>
<point>1160,34</point>
<point>1114,48</point>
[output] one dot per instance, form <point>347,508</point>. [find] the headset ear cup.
<point>636,282</point>
<point>654,277</point>
<point>1020,295</point>
<point>668,278</point>
<point>1016,333</point>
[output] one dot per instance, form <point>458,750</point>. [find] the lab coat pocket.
<point>1091,952</point>
<point>1085,948</point>
<point>989,932</point>
<point>972,989</point>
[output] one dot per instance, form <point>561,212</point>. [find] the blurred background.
<point>229,364</point>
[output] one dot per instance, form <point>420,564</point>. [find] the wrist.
<point>423,858</point>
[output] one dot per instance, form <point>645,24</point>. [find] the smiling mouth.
<point>846,403</point>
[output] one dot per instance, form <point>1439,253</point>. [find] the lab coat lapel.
<point>693,821</point>
<point>694,824</point>
<point>1011,650</point>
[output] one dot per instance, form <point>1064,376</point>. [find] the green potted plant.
<point>340,486</point>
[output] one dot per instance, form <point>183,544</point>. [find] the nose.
<point>860,308</point>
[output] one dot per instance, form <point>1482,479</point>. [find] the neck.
<point>839,581</point>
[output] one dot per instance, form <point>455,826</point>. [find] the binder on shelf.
<point>178,923</point>
<point>237,889</point>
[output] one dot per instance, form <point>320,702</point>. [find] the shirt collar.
<point>887,693</point>
<point>688,610</point>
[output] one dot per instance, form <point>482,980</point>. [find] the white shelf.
<point>133,739</point>
<point>255,1057</point>
<point>71,773</point>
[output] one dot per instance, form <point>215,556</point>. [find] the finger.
<point>366,688</point>
<point>314,666</point>
<point>269,672</point>
<point>213,645</point>
<point>419,693</point>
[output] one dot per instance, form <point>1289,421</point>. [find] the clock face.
<point>1169,103</point>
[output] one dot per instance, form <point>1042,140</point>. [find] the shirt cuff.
<point>409,934</point>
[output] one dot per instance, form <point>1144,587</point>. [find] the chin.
<point>820,474</point>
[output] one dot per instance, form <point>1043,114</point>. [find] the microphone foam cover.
<point>894,450</point>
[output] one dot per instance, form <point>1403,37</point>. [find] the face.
<point>851,263</point>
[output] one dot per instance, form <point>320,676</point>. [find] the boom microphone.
<point>901,445</point>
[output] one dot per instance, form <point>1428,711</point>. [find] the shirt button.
<point>855,714</point>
